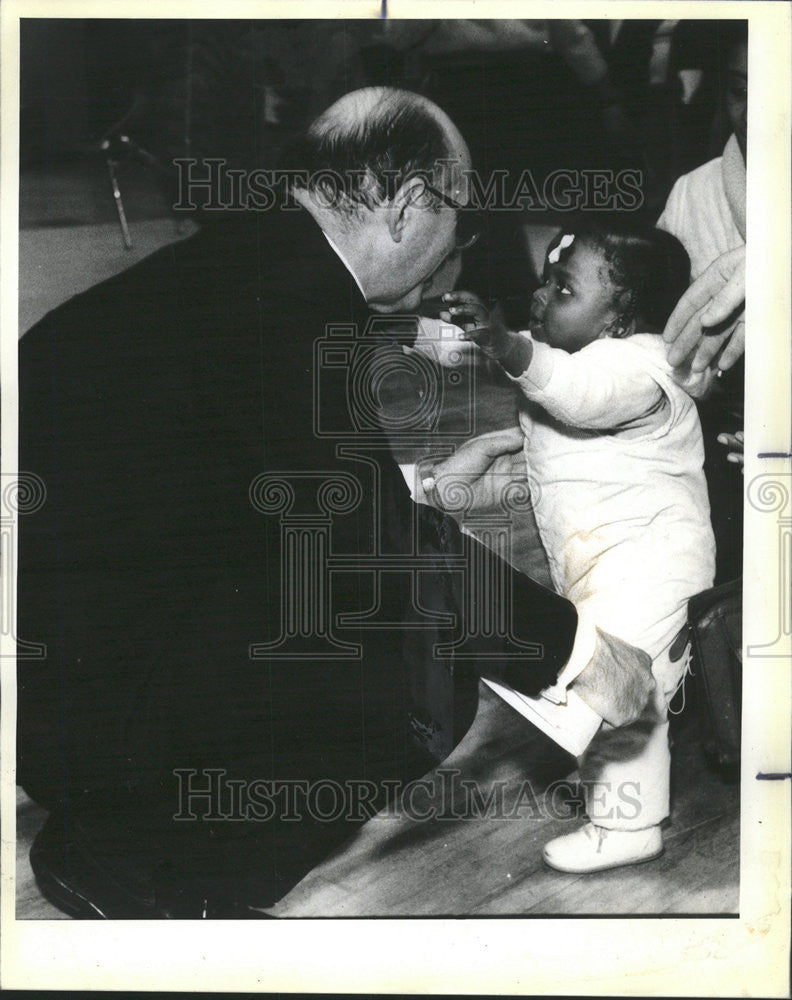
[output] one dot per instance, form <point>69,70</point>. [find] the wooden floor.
<point>489,864</point>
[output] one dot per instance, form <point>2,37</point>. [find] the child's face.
<point>577,302</point>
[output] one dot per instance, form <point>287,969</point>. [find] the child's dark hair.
<point>649,264</point>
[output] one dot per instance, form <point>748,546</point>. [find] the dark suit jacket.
<point>149,405</point>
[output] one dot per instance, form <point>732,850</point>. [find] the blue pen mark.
<point>384,8</point>
<point>773,776</point>
<point>774,454</point>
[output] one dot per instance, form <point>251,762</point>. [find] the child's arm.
<point>600,387</point>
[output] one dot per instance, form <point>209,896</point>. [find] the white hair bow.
<point>555,254</point>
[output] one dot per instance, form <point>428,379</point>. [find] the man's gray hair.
<point>363,161</point>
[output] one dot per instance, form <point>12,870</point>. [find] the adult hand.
<point>710,317</point>
<point>476,476</point>
<point>736,445</point>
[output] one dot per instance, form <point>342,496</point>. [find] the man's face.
<point>424,246</point>
<point>445,277</point>
<point>425,250</point>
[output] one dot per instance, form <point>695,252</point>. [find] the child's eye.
<point>553,279</point>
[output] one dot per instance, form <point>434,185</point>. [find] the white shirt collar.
<point>346,263</point>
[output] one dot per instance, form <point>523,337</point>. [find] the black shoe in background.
<point>113,856</point>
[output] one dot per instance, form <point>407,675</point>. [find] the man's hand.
<point>736,445</point>
<point>710,317</point>
<point>477,474</point>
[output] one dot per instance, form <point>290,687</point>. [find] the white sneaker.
<point>593,849</point>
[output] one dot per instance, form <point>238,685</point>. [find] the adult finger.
<point>735,348</point>
<point>708,350</point>
<point>725,348</point>
<point>729,297</point>
<point>476,456</point>
<point>695,300</point>
<point>686,340</point>
<point>736,446</point>
<point>731,440</point>
<point>717,293</point>
<point>468,462</point>
<point>502,442</point>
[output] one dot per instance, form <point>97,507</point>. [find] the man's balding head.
<point>362,149</point>
<point>381,171</point>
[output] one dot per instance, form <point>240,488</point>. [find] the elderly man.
<point>227,572</point>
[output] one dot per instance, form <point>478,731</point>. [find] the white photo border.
<point>745,955</point>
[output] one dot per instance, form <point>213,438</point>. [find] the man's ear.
<point>400,209</point>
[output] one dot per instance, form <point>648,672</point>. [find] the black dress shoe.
<point>109,857</point>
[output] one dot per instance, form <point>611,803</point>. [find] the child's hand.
<point>459,305</point>
<point>468,312</point>
<point>488,330</point>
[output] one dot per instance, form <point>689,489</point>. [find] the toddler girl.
<point>613,440</point>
